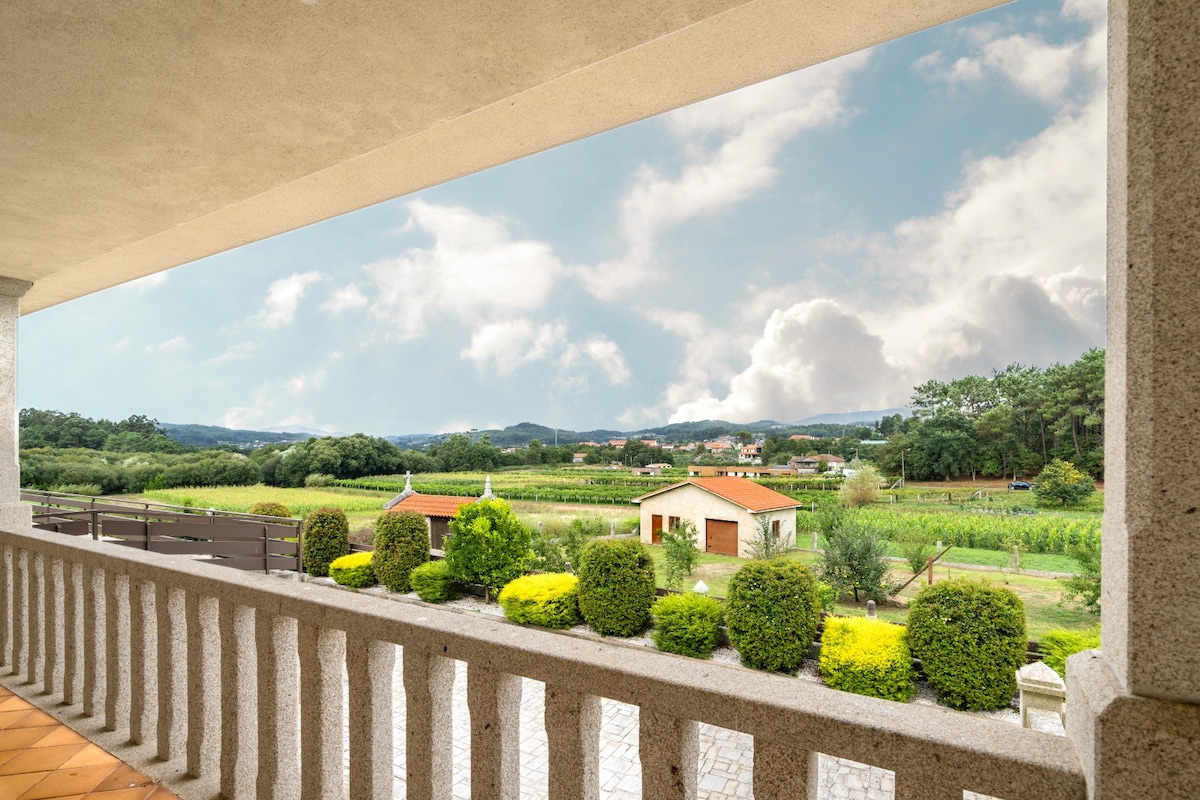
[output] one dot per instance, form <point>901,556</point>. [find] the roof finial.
<point>408,492</point>
<point>487,489</point>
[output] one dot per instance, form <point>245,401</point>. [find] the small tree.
<point>861,488</point>
<point>488,545</point>
<point>1084,587</point>
<point>916,545</point>
<point>766,543</point>
<point>326,537</point>
<point>679,552</point>
<point>853,562</point>
<point>401,545</point>
<point>616,586</point>
<point>1062,484</point>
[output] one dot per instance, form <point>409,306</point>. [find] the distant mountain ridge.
<point>524,432</point>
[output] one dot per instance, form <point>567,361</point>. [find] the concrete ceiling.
<point>137,136</point>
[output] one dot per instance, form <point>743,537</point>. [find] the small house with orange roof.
<point>726,511</point>
<point>438,509</point>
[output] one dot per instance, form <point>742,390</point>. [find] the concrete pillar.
<point>494,700</point>
<point>12,510</point>
<point>94,628</point>
<point>573,733</point>
<point>72,632</point>
<point>52,591</point>
<point>1132,712</point>
<point>429,729</point>
<point>781,771</point>
<point>116,643</point>
<point>143,660</point>
<point>36,633</point>
<point>278,707</point>
<point>669,749</point>
<point>322,656</point>
<point>6,606</point>
<point>20,602</point>
<point>203,685</point>
<point>369,665</point>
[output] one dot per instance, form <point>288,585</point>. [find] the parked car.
<point>1021,485</point>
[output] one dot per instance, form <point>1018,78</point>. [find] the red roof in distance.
<point>432,505</point>
<point>747,494</point>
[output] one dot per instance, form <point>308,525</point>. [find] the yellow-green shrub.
<point>687,624</point>
<point>550,599</point>
<point>433,582</point>
<point>1059,643</point>
<point>867,656</point>
<point>354,570</point>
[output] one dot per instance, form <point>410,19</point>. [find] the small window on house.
<point>775,528</point>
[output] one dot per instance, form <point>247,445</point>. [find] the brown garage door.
<point>720,536</point>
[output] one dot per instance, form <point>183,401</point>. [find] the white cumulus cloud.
<point>507,345</point>
<point>283,298</point>
<point>347,298</point>
<point>175,343</point>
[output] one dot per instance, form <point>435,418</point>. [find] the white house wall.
<point>697,505</point>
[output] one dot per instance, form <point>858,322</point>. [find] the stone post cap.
<point>1039,677</point>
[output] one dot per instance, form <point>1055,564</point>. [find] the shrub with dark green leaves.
<point>488,545</point>
<point>867,656</point>
<point>970,638</point>
<point>549,599</point>
<point>354,570</point>
<point>616,586</point>
<point>1059,643</point>
<point>326,537</point>
<point>688,624</point>
<point>771,614</point>
<point>401,545</point>
<point>434,583</point>
<point>269,508</point>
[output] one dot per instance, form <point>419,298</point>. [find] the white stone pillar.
<point>573,731</point>
<point>12,510</point>
<point>1133,712</point>
<point>669,749</point>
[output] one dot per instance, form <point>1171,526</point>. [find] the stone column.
<point>12,510</point>
<point>1132,711</point>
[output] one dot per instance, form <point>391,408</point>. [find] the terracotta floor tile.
<point>162,794</point>
<point>34,719</point>
<point>38,759</point>
<point>140,793</point>
<point>22,738</point>
<point>7,718</point>
<point>16,785</point>
<point>68,781</point>
<point>123,777</point>
<point>13,703</point>
<point>60,734</point>
<point>90,756</point>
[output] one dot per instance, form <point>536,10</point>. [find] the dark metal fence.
<point>242,541</point>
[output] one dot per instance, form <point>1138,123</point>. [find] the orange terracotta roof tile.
<point>432,505</point>
<point>747,494</point>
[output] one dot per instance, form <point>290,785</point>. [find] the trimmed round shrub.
<point>269,508</point>
<point>434,583</point>
<point>616,586</point>
<point>1059,643</point>
<point>687,624</point>
<point>489,544</point>
<point>771,614</point>
<point>326,537</point>
<point>401,545</point>
<point>550,599</point>
<point>354,570</point>
<point>867,656</point>
<point>970,638</point>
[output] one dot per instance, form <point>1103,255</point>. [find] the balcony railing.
<point>238,677</point>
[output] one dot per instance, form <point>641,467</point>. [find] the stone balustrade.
<point>231,682</point>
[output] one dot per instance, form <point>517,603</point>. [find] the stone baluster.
<point>52,591</point>
<point>172,659</point>
<point>278,775</point>
<point>203,684</point>
<point>6,606</point>
<point>782,771</point>
<point>94,625</point>
<point>322,654</point>
<point>369,666</point>
<point>428,683</point>
<point>72,631</point>
<point>143,659</point>
<point>573,733</point>
<point>116,648</point>
<point>239,704</point>
<point>20,603</point>
<point>494,700</point>
<point>669,749</point>
<point>35,636</point>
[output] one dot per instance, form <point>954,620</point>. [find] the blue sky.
<point>817,243</point>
